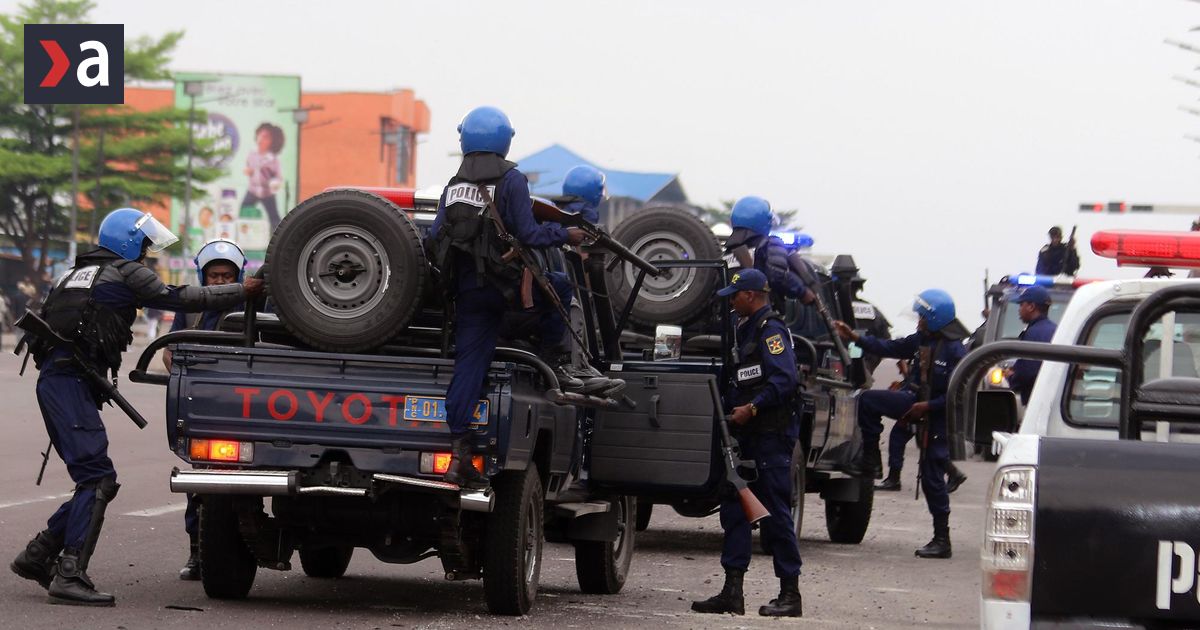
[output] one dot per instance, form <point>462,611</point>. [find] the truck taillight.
<point>1007,554</point>
<point>221,451</point>
<point>439,463</point>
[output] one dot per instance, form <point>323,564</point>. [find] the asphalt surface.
<point>877,584</point>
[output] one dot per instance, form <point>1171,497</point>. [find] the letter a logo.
<point>96,53</point>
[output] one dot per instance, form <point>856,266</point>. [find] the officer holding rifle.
<point>761,401</point>
<point>76,341</point>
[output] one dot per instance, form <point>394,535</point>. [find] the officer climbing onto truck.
<point>87,325</point>
<point>482,205</point>
<point>934,349</point>
<point>898,439</point>
<point>1034,305</point>
<point>220,262</point>
<point>751,220</point>
<point>761,400</point>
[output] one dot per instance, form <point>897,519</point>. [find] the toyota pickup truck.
<point>1091,517</point>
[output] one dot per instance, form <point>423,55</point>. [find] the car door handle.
<point>654,411</point>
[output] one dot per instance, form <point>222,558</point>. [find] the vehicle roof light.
<point>1029,279</point>
<point>795,239</point>
<point>1148,248</point>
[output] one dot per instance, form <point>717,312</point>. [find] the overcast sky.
<point>930,139</point>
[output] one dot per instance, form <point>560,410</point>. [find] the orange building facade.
<point>349,138</point>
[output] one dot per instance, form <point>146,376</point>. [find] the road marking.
<point>888,589</point>
<point>48,497</point>
<point>158,511</point>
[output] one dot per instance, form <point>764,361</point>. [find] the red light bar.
<point>1149,249</point>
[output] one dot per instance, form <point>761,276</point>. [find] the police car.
<point>1091,514</point>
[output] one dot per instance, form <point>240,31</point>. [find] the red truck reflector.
<point>1148,249</point>
<point>221,451</point>
<point>439,463</point>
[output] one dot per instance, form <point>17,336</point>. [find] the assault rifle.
<point>546,211</point>
<point>39,329</point>
<point>754,509</point>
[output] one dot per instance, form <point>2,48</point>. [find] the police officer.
<point>468,250</point>
<point>935,349</point>
<point>219,262</point>
<point>761,400</point>
<point>898,439</point>
<point>585,189</point>
<point>95,304</point>
<point>1057,257</point>
<point>751,220</point>
<point>1033,304</point>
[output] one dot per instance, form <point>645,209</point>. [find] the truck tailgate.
<point>262,394</point>
<point>1117,529</point>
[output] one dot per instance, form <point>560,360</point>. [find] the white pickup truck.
<point>1093,514</point>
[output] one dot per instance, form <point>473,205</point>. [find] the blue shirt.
<point>909,347</point>
<point>779,368</point>
<point>771,258</point>
<point>1025,371</point>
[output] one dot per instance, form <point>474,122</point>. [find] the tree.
<point>788,219</point>
<point>140,157</point>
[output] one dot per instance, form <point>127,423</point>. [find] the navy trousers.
<point>874,404</point>
<point>479,313</point>
<point>79,438</point>
<point>933,468</point>
<point>772,453</point>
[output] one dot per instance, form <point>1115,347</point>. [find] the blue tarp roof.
<point>547,168</point>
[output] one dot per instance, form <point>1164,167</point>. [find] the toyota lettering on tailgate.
<point>356,408</point>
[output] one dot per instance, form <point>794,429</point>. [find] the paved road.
<point>878,584</point>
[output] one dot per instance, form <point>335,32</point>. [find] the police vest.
<point>750,379</point>
<point>71,311</point>
<point>468,231</point>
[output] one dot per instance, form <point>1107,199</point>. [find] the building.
<point>627,191</point>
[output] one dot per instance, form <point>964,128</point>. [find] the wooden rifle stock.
<point>543,210</point>
<point>753,508</point>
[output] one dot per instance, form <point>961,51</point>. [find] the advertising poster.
<point>250,117</point>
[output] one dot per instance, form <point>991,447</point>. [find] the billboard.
<point>251,118</point>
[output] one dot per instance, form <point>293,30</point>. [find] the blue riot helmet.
<point>125,230</point>
<point>936,307</point>
<point>220,250</point>
<point>485,129</point>
<point>585,182</point>
<point>752,213</point>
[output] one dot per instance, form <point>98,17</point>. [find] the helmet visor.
<point>160,237</point>
<point>920,306</point>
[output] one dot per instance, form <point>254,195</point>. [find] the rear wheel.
<point>644,510</point>
<point>602,566</point>
<point>326,562</point>
<point>227,566</point>
<point>512,561</point>
<point>347,270</point>
<point>677,296</point>
<point>847,521</point>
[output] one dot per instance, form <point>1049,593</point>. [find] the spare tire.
<point>347,270</point>
<point>677,296</point>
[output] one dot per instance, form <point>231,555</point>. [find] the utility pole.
<point>73,226</point>
<point>192,89</point>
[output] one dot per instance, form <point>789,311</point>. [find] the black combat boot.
<point>939,547</point>
<point>892,483</point>
<point>191,570</point>
<point>788,604</point>
<point>954,477</point>
<point>461,471</point>
<point>868,462</point>
<point>729,600</point>
<point>72,586</point>
<point>36,562</point>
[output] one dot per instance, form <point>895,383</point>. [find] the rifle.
<point>754,509</point>
<point>546,211</point>
<point>518,250</point>
<point>38,328</point>
<point>800,267</point>
<point>1071,260</point>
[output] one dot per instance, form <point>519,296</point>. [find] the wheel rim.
<point>345,273</point>
<point>531,543</point>
<point>671,283</point>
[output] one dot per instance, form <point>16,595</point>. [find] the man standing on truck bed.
<point>761,398</point>
<point>935,349</point>
<point>218,263</point>
<point>751,220</point>
<point>94,305</point>
<point>1033,304</point>
<point>483,280</point>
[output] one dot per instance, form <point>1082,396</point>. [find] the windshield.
<point>1010,319</point>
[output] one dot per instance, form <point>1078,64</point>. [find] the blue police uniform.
<point>113,288</point>
<point>589,211</point>
<point>771,258</point>
<point>874,404</point>
<point>480,303</point>
<point>772,392</point>
<point>1025,371</point>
